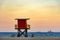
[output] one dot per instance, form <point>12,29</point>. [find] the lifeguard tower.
<point>22,25</point>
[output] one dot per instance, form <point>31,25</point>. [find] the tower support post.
<point>24,33</point>
<point>18,35</point>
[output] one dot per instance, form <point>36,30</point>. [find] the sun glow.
<point>41,13</point>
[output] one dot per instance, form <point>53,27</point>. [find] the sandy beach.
<point>30,38</point>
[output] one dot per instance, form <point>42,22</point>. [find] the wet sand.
<point>30,38</point>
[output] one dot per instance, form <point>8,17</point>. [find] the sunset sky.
<point>44,14</point>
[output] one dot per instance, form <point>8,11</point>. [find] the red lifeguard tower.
<point>22,25</point>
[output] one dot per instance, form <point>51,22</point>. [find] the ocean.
<point>35,34</point>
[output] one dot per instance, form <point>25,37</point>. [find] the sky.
<point>44,14</point>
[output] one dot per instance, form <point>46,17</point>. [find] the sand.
<point>30,38</point>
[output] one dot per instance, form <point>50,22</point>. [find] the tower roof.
<point>22,19</point>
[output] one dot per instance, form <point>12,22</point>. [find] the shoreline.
<point>29,38</point>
